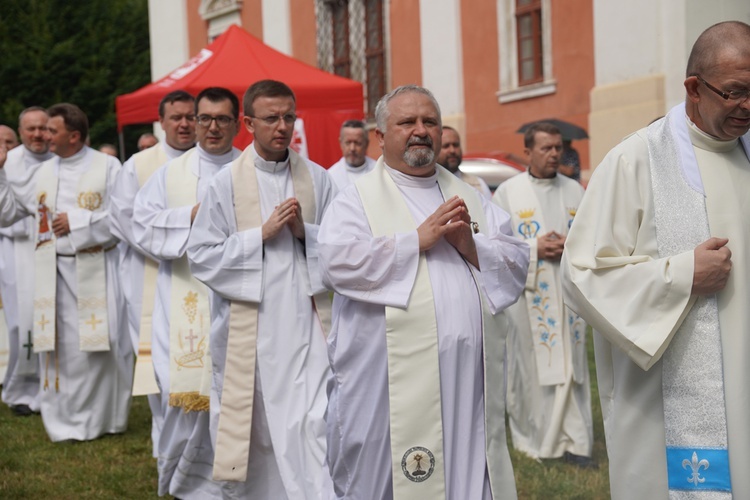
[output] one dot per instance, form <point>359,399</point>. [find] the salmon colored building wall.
<point>304,42</point>
<point>491,125</point>
<point>197,27</point>
<point>252,19</point>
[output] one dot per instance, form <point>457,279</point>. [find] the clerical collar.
<point>270,166</point>
<point>80,155</point>
<point>214,159</point>
<point>707,142</point>
<point>352,168</point>
<point>171,152</point>
<point>39,157</point>
<point>542,179</point>
<point>406,180</point>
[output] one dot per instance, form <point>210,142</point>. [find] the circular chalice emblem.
<point>418,464</point>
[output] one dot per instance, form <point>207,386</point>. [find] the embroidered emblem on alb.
<point>192,357</point>
<point>418,464</point>
<point>696,466</point>
<point>45,226</point>
<point>572,212</point>
<point>528,228</point>
<point>89,200</point>
<point>540,305</point>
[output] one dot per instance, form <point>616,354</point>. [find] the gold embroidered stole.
<point>235,417</point>
<point>545,317</point>
<point>90,262</point>
<point>189,313</point>
<point>144,379</point>
<point>411,336</point>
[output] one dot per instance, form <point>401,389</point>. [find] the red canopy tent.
<point>236,60</point>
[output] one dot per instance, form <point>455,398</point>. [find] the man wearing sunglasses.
<point>163,215</point>
<point>657,262</point>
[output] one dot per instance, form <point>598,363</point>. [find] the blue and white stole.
<point>692,369</point>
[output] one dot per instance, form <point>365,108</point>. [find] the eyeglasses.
<point>734,95</point>
<point>223,121</point>
<point>273,120</point>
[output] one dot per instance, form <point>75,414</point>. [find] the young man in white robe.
<point>254,243</point>
<point>548,393</point>
<point>164,211</point>
<point>354,162</point>
<point>450,157</point>
<point>422,266</point>
<point>87,364</point>
<point>21,382</point>
<point>137,274</point>
<point>657,262</point>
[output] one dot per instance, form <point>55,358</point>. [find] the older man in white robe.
<point>164,211</point>
<point>254,243</point>
<point>354,161</point>
<point>549,395</point>
<point>21,382</point>
<point>422,265</point>
<point>78,319</point>
<point>138,275</point>
<point>648,264</point>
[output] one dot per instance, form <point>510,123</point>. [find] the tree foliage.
<point>86,53</point>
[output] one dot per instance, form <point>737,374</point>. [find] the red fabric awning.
<point>236,60</point>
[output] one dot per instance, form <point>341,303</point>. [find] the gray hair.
<point>381,110</point>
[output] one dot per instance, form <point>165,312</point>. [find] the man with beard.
<point>164,211</point>
<point>450,157</point>
<point>354,162</point>
<point>422,266</point>
<point>21,383</point>
<point>254,243</point>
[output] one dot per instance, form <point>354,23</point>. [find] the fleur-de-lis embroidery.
<point>695,465</point>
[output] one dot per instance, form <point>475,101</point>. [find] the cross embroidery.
<point>93,322</point>
<point>191,337</point>
<point>29,345</point>
<point>42,322</point>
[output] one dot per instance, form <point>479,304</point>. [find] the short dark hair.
<point>219,94</point>
<point>353,124</point>
<point>75,120</point>
<point>29,110</point>
<point>722,36</point>
<point>264,88</point>
<point>173,97</point>
<point>546,127</point>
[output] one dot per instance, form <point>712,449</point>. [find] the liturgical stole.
<point>416,427</point>
<point>546,319</point>
<point>93,328</point>
<point>692,367</point>
<point>144,379</point>
<point>189,313</point>
<point>236,414</point>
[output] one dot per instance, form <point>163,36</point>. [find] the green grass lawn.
<point>121,466</point>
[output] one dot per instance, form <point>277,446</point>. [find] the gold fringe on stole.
<point>189,401</point>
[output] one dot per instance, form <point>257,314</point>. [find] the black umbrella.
<point>568,130</point>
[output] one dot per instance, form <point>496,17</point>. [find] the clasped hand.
<point>287,213</point>
<point>713,261</point>
<point>451,221</point>
<point>550,246</point>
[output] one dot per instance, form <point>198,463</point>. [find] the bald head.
<point>8,137</point>
<point>726,39</point>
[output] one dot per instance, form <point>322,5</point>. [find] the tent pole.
<point>121,134</point>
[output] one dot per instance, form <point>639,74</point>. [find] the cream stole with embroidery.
<point>235,417</point>
<point>189,313</point>
<point>91,275</point>
<point>416,427</point>
<point>545,317</point>
<point>144,378</point>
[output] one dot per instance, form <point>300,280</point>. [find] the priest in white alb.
<point>21,382</point>
<point>254,243</point>
<point>548,395</point>
<point>354,162</point>
<point>451,156</point>
<point>87,363</point>
<point>657,262</point>
<point>422,266</point>
<point>163,214</point>
<point>138,272</point>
